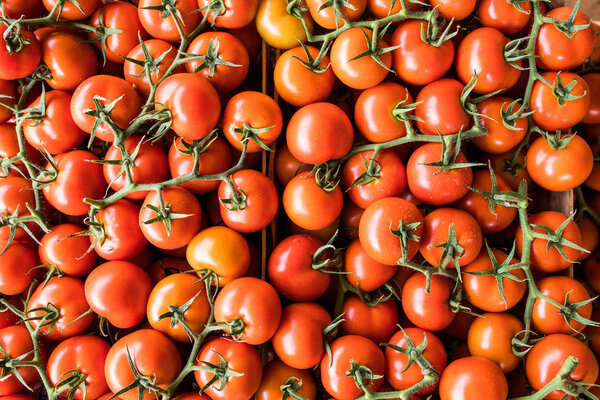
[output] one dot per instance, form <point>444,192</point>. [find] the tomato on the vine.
<point>67,253</point>
<point>121,237</point>
<point>473,378</point>
<point>429,310</point>
<point>163,26</point>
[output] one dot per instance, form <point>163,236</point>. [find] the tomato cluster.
<point>393,220</point>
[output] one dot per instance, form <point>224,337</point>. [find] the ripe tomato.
<point>377,323</point>
<point>70,59</point>
<point>154,355</point>
<point>546,259</point>
<point>71,11</point>
<point>299,85</point>
<point>15,194</point>
<point>559,51</point>
<point>16,267</point>
<point>505,17</point>
<point>590,236</point>
<point>237,13</point>
<point>239,357</point>
<point>376,230</point>
<point>428,310</point>
<point>118,291</point>
<point>503,167</point>
<point>432,186</point>
<point>319,132</point>
<point>19,64</point>
<point>224,48</point>
<point>8,89</point>
<point>193,102</point>
<point>473,378</point>
<point>17,9</point>
<point>325,16</point>
<point>298,341</point>
<point>310,206</point>
<point>401,373</point>
<point>167,266</point>
<point>362,272</point>
<point>253,301</point>
<point>175,291</point>
<point>110,89</point>
<point>279,28</point>
<point>67,253</point>
<point>490,337</point>
<point>439,108</point>
<point>16,342</point>
<point>65,296</point>
<point>551,114</point>
<point>121,238</point>
<point>450,9</point>
<point>84,354</point>
<point>344,351</point>
<point>9,148</point>
<point>287,167</point>
<point>499,138</point>
<point>163,28</point>
<point>384,8</point>
<point>593,114</point>
<point>7,317</point>
<point>547,357</point>
<point>276,374</point>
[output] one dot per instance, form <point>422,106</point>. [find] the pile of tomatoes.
<point>386,199</point>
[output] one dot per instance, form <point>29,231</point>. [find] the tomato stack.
<point>377,202</point>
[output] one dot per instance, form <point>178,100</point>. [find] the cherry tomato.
<point>276,374</point>
<point>593,113</point>
<point>325,16</point>
<point>163,28</point>
<point>121,237</point>
<point>473,378</point>
<point>506,17</point>
<point>16,194</point>
<point>279,28</point>
<point>590,236</point>
<point>362,272</point>
<point>429,310</point>
<point>377,323</point>
<point>19,64</point>
<point>72,11</point>
<point>16,342</point>
<point>499,138</point>
<point>440,110</point>
<point>237,13</point>
<point>384,8</point>
<point>68,253</point>
<point>16,267</point>
<point>9,89</point>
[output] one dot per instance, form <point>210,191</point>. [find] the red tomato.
<point>237,13</point>
<point>593,113</point>
<point>163,28</point>
<point>276,374</point>
<point>450,9</point>
<point>439,108</point>
<point>286,166</point>
<point>18,9</point>
<point>71,11</point>
<point>428,310</point>
<point>19,64</point>
<point>505,17</point>
<point>16,342</point>
<point>362,272</point>
<point>473,378</point>
<point>121,237</point>
<point>384,8</point>
<point>377,323</point>
<point>8,89</point>
<point>590,236</point>
<point>67,253</point>
<point>325,15</point>
<point>9,148</point>
<point>16,267</point>
<point>499,138</point>
<point>350,219</point>
<point>15,194</point>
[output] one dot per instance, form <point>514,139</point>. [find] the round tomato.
<point>8,89</point>
<point>279,28</point>
<point>18,9</point>
<point>324,14</point>
<point>429,310</point>
<point>121,237</point>
<point>276,374</point>
<point>237,13</point>
<point>362,272</point>
<point>72,11</point>
<point>384,8</point>
<point>590,236</point>
<point>17,264</point>
<point>287,166</point>
<point>17,63</point>
<point>161,26</point>
<point>67,253</point>
<point>15,342</point>
<point>506,17</point>
<point>473,378</point>
<point>377,323</point>
<point>439,109</point>
<point>500,138</point>
<point>593,113</point>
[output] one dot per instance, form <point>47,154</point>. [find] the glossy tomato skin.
<point>253,301</point>
<point>362,271</point>
<point>71,12</point>
<point>278,28</point>
<point>240,357</point>
<point>298,341</point>
<point>194,104</point>
<point>15,194</point>
<point>9,146</point>
<point>593,113</point>
<point>344,349</point>
<point>85,354</point>
<point>374,229</point>
<point>440,109</point>
<point>16,341</point>
<point>308,205</point>
<point>504,16</point>
<point>326,17</point>
<point>431,187</point>
<point>179,201</point>
<point>319,132</point>
<point>123,238</point>
<point>377,323</point>
<point>384,8</point>
<point>166,28</point>
<point>153,354</point>
<point>430,311</point>
<point>499,139</point>
<point>17,65</point>
<point>563,169</point>
<point>473,378</point>
<point>67,253</point>
<point>547,356</point>
<point>296,83</point>
<point>450,9</point>
<point>118,291</point>
<point>16,267</point>
<point>8,88</point>
<point>399,374</point>
<point>276,374</point>
<point>237,14</point>
<point>221,250</point>
<point>67,295</point>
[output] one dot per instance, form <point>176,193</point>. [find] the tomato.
<point>167,266</point>
<point>547,319</point>
<point>350,219</point>
<point>71,11</point>
<point>550,113</point>
<point>376,230</point>
<point>299,85</point>
<point>547,357</point>
<point>383,8</point>
<point>70,59</point>
<point>499,138</point>
<point>276,374</point>
<point>255,303</point>
<point>490,337</point>
<point>118,291</point>
<point>503,167</point>
<point>428,310</point>
<point>16,9</point>
<point>473,378</point>
<point>9,148</point>
<point>239,357</point>
<point>7,317</point>
<point>175,291</point>
<point>324,14</point>
<point>546,259</point>
<point>16,267</point>
<point>437,226</point>
<point>8,89</point>
<point>362,271</point>
<point>237,13</point>
<point>224,48</point>
<point>193,102</point>
<point>439,108</point>
<point>110,89</point>
<point>432,186</point>
<point>298,341</point>
<point>593,181</point>
<point>374,112</point>
<point>593,113</point>
<point>161,26</point>
<point>401,373</point>
<point>319,132</point>
<point>559,51</point>
<point>388,178</point>
<point>505,17</point>
<point>19,64</point>
<point>310,206</point>
<point>286,166</point>
<point>123,17</point>
<point>344,351</point>
<point>64,296</point>
<point>67,253</point>
<point>279,28</point>
<point>16,342</point>
<point>154,355</point>
<point>121,237</point>
<point>16,194</point>
<point>377,323</point>
<point>84,354</point>
<point>590,236</point>
<point>483,291</point>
